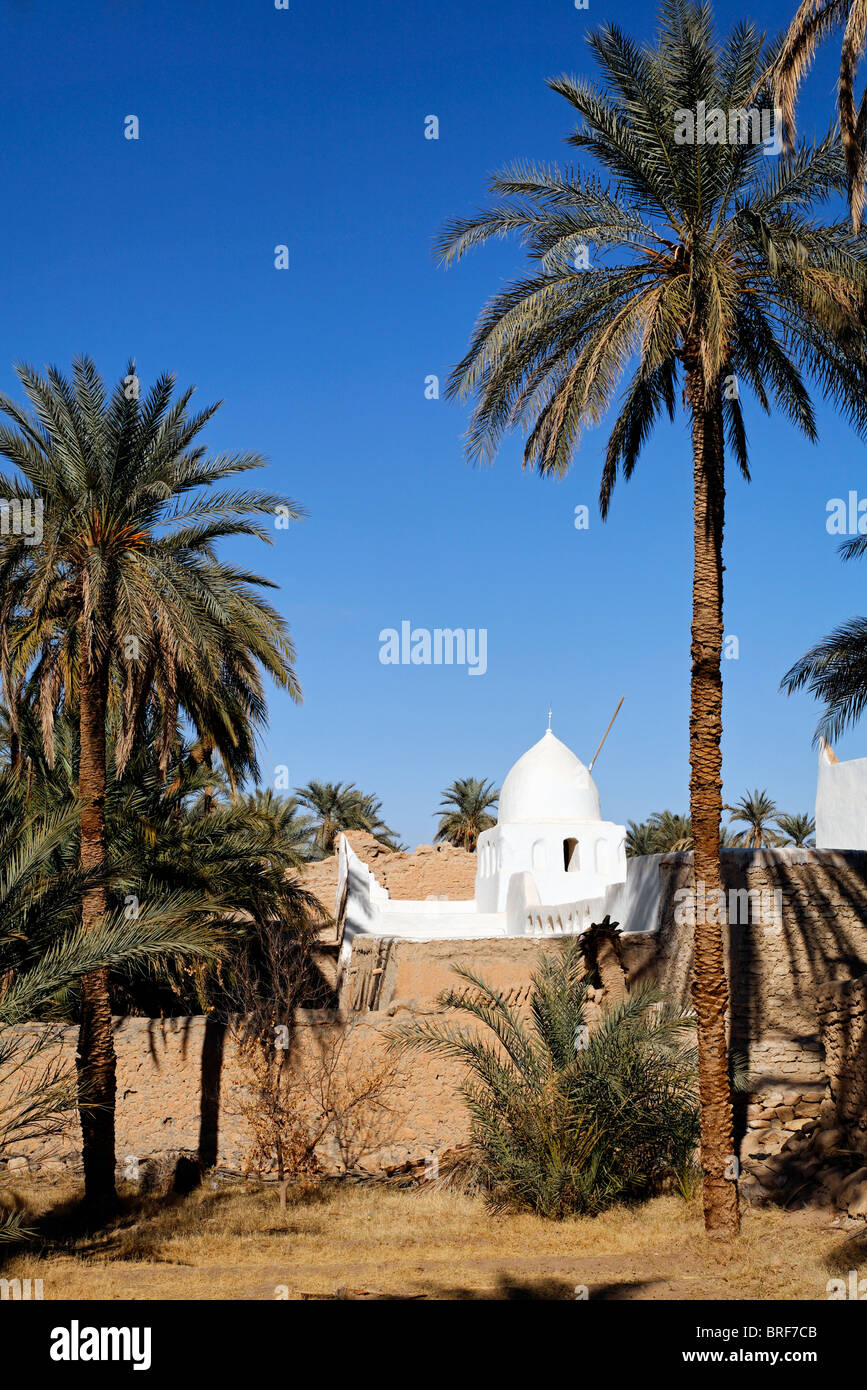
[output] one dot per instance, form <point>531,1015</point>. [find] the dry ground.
<point>346,1241</point>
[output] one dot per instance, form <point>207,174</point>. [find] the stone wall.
<point>843,1019</point>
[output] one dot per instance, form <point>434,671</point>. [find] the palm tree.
<point>835,670</point>
<point>339,806</point>
<point>123,605</point>
<point>43,950</point>
<point>371,810</point>
<point>285,822</point>
<point>813,22</point>
<point>757,811</point>
<point>565,1118</point>
<point>178,832</point>
<point>699,264</point>
<point>465,806</point>
<point>639,839</point>
<point>797,829</point>
<point>666,832</point>
<point>672,833</point>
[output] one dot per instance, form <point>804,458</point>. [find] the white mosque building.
<point>841,801</point>
<point>550,866</point>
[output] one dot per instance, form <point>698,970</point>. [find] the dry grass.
<point>373,1242</point>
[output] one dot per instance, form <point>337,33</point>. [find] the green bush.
<point>565,1119</point>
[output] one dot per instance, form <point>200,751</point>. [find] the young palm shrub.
<point>565,1119</point>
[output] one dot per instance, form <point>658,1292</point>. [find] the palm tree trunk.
<point>709,985</point>
<point>96,1056</point>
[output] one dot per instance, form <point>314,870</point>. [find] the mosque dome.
<point>549,784</point>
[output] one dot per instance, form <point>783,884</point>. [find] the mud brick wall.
<point>384,974</point>
<point>778,968</point>
<point>430,871</point>
<point>183,1087</point>
<point>795,990</point>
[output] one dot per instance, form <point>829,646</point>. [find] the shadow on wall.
<point>213,1052</point>
<point>319,992</point>
<point>797,921</point>
<point>778,972</point>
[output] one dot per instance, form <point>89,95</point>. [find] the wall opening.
<point>571,856</point>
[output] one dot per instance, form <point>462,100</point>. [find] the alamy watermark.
<point>440,646</point>
<point>740,125</point>
<point>855,1289</point>
<point>737,907</point>
<point>77,1343</point>
<point>20,1290</point>
<point>846,516</point>
<point>22,517</point>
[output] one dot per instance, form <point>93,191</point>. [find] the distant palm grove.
<point>666,832</point>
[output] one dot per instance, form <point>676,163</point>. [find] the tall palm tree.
<point>43,949</point>
<point>758,812</point>
<point>466,807</point>
<point>123,604</point>
<point>699,266</point>
<point>813,22</point>
<point>338,806</point>
<point>797,829</point>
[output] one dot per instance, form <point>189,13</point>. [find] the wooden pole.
<point>605,735</point>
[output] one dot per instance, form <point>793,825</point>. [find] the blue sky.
<point>305,127</point>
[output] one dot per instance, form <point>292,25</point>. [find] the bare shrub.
<point>335,1093</point>
<point>301,1100</point>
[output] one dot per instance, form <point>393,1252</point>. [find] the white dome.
<point>549,784</point>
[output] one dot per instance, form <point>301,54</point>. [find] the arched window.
<point>539,856</point>
<point>601,856</point>
<point>571,856</point>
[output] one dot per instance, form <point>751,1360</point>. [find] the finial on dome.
<point>549,721</point>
